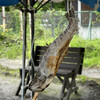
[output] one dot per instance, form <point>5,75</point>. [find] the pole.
<point>79,14</point>
<point>90,25</point>
<point>32,47</point>
<point>52,27</point>
<point>32,40</point>
<point>68,5</point>
<point>3,17</point>
<point>24,53</point>
<point>65,5</point>
<point>21,25</point>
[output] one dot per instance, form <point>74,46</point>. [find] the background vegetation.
<point>11,44</point>
<point>11,48</point>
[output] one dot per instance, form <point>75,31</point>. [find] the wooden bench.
<point>67,71</point>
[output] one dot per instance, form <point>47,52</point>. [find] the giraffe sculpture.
<point>53,57</point>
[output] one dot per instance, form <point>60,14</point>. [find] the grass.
<point>9,72</point>
<point>82,79</point>
<point>11,48</point>
<point>92,50</point>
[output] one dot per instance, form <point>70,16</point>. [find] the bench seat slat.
<point>67,66</point>
<point>74,55</point>
<point>63,72</point>
<point>72,60</point>
<point>76,49</point>
<point>40,52</point>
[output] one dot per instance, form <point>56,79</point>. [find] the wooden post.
<point>24,52</point>
<point>53,22</point>
<point>30,25</point>
<point>3,17</point>
<point>21,25</point>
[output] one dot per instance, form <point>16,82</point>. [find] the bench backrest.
<point>73,58</point>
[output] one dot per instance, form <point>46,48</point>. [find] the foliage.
<point>10,46</point>
<point>13,21</point>
<point>92,50</point>
<point>56,6</point>
<point>1,29</point>
<point>82,78</point>
<point>98,16</point>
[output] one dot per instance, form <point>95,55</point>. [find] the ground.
<point>88,90</point>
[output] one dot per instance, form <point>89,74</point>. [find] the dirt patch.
<point>12,64</point>
<point>89,90</point>
<point>8,87</point>
<point>93,73</point>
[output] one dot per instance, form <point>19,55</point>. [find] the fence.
<point>12,23</point>
<point>89,24</point>
<point>53,23</point>
<point>87,21</point>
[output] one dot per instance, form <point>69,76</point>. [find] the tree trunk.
<point>54,56</point>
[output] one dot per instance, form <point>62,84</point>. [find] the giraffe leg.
<point>35,95</point>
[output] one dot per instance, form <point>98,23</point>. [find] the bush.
<point>92,50</point>
<point>10,47</point>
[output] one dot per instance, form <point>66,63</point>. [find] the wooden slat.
<point>64,72</point>
<point>40,52</point>
<point>73,55</point>
<point>67,66</point>
<point>72,60</point>
<point>76,49</point>
<point>39,57</point>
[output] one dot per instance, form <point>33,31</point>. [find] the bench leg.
<point>72,88</point>
<point>75,86</point>
<point>28,79</point>
<point>68,94</point>
<point>19,88</point>
<point>60,79</point>
<point>63,88</point>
